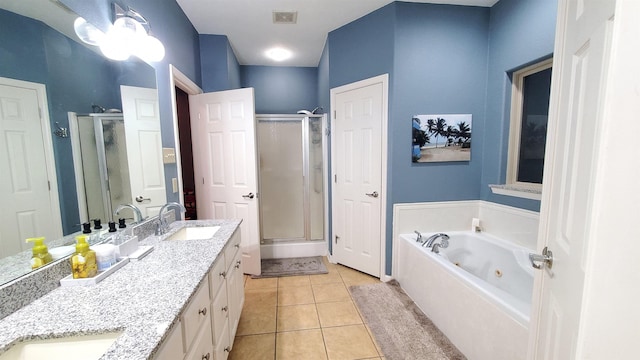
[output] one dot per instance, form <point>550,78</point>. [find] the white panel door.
<point>583,41</point>
<point>29,207</point>
<point>357,175</point>
<point>223,131</point>
<point>144,148</point>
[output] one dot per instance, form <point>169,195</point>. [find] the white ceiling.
<point>249,27</point>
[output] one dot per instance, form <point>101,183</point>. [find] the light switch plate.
<point>169,155</point>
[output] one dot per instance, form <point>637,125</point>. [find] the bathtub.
<point>477,291</point>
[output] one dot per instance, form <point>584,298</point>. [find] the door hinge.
<point>327,131</point>
<point>335,114</point>
<point>335,178</point>
<point>49,185</point>
<point>202,181</point>
<point>337,237</point>
<point>40,113</point>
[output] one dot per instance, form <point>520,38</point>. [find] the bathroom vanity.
<point>182,301</point>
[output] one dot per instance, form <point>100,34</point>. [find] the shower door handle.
<point>248,196</point>
<point>373,194</point>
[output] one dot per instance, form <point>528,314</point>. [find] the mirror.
<point>38,45</point>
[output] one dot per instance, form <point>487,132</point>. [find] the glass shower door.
<point>280,148</point>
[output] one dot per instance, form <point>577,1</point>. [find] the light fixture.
<point>278,54</point>
<point>129,35</point>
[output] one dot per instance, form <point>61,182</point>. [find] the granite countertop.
<point>143,299</point>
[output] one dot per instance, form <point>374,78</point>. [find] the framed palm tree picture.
<point>441,138</point>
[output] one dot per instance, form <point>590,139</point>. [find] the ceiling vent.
<point>285,17</point>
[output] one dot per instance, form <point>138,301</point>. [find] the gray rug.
<point>401,329</point>
<point>291,267</point>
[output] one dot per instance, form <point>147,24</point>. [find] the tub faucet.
<point>137,214</point>
<point>436,247</point>
<point>162,226</point>
<point>432,238</point>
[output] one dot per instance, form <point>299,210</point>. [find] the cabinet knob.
<point>223,274</point>
<point>206,357</point>
<point>226,308</point>
<point>227,349</point>
<point>237,246</point>
<point>203,311</point>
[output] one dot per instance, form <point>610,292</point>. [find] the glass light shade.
<point>115,45</point>
<point>87,32</point>
<point>150,50</point>
<point>278,54</point>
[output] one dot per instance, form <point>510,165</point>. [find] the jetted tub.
<point>477,291</point>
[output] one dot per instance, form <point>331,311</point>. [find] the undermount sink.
<point>195,233</point>
<point>87,347</point>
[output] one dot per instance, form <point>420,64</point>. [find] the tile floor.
<point>304,317</point>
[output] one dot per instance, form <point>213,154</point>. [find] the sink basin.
<point>86,347</point>
<point>193,233</point>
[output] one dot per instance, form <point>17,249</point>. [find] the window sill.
<point>517,191</point>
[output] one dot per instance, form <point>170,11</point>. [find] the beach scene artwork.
<point>441,138</point>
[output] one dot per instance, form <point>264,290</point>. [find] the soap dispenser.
<point>83,262</point>
<point>41,254</point>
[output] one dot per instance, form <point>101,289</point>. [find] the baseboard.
<point>293,249</point>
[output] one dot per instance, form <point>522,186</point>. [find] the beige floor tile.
<point>297,317</point>
<point>257,320</point>
<point>295,296</point>
<point>260,297</point>
<point>338,314</point>
<point>326,278</point>
<point>353,277</point>
<point>264,283</point>
<point>373,338</point>
<point>330,292</point>
<point>254,347</point>
<point>293,281</point>
<point>349,342</point>
<point>300,345</point>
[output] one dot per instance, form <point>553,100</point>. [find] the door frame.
<point>384,80</point>
<point>49,155</point>
<point>178,79</point>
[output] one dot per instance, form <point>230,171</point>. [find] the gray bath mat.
<point>292,267</point>
<point>401,329</point>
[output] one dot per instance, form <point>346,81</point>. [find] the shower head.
<point>316,109</point>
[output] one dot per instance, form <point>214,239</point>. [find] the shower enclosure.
<point>292,182</point>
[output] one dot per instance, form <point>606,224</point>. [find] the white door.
<point>144,148</point>
<point>223,131</point>
<point>358,173</point>
<point>27,186</point>
<point>568,211</point>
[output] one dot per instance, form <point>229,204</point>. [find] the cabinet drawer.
<point>219,314</point>
<point>202,347</point>
<point>217,276</point>
<point>196,314</point>
<point>233,246</point>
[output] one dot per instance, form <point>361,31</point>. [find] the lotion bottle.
<point>83,262</point>
<point>40,252</point>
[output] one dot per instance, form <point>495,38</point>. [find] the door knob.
<point>373,194</point>
<point>141,199</point>
<point>248,196</point>
<point>546,259</point>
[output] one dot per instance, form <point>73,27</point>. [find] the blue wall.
<point>220,68</point>
<point>426,49</point>
<point>520,32</point>
<point>75,79</point>
<point>282,89</point>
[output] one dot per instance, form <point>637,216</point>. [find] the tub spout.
<point>429,242</point>
<point>443,244</point>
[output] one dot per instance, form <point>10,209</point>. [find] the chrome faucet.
<point>162,226</point>
<point>137,214</point>
<point>445,240</point>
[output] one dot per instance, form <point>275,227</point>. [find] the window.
<point>528,131</point>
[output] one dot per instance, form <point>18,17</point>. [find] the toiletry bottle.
<point>41,254</point>
<point>83,262</point>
